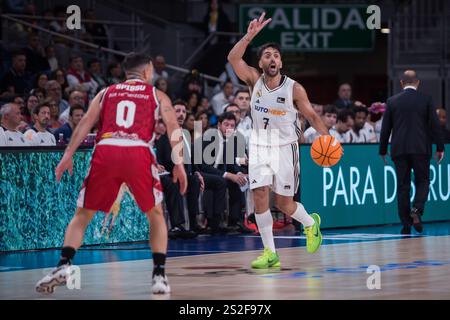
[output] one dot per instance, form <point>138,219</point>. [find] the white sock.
<point>302,216</point>
<point>264,222</point>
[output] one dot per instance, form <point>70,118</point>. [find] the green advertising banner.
<point>360,190</point>
<point>312,28</point>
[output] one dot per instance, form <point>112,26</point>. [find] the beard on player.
<point>271,69</point>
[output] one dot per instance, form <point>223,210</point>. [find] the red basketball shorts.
<point>111,166</point>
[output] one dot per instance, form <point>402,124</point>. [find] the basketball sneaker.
<point>268,259</point>
<point>160,285</point>
<point>57,277</point>
<point>313,235</point>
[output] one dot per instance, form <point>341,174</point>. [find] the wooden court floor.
<point>411,268</point>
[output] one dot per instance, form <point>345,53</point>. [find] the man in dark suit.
<point>223,153</point>
<point>412,119</point>
<point>197,180</point>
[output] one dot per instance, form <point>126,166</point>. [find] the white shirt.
<point>10,138</point>
<point>38,138</point>
<point>341,137</point>
<point>245,128</point>
<point>370,132</point>
<point>310,135</point>
<point>53,63</point>
<point>218,101</point>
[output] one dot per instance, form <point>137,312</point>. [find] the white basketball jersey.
<point>274,115</point>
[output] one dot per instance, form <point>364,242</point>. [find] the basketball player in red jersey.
<point>126,115</point>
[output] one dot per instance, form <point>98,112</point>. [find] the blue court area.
<point>210,244</point>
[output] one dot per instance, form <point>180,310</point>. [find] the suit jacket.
<point>164,156</point>
<point>412,119</point>
<point>219,156</point>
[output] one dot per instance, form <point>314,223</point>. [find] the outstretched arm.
<point>303,105</point>
<point>246,73</point>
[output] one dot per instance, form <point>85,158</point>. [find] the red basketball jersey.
<point>129,110</point>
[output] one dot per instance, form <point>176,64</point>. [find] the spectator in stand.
<point>204,105</point>
<point>95,69</point>
<point>10,120</point>
<point>244,124</point>
<point>36,60</point>
<point>163,85</point>
<point>76,97</point>
<point>341,131</point>
<point>345,98</point>
<point>360,132</point>
<point>63,134</point>
<point>189,124</point>
<point>222,98</point>
<point>51,58</point>
<point>31,103</point>
<point>193,100</point>
<point>203,117</point>
<point>442,116</point>
<point>115,73</point>
<point>17,80</point>
<point>39,135</point>
<point>216,20</point>
<point>60,76</point>
<point>19,101</point>
<point>40,94</point>
<point>96,32</point>
<point>159,68</point>
<point>54,122</point>
<point>76,75</point>
<point>54,92</point>
<point>192,82</point>
<point>328,118</point>
<point>40,81</point>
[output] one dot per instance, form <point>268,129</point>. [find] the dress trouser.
<point>420,164</point>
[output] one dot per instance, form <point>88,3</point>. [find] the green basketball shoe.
<point>267,260</point>
<point>313,235</point>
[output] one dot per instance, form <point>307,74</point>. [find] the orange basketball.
<point>326,151</point>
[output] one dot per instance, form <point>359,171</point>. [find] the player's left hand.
<point>65,164</point>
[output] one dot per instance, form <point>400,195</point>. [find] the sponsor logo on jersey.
<point>274,112</point>
<point>258,93</point>
<point>287,187</point>
<point>281,100</point>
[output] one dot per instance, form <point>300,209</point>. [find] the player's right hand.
<point>179,175</point>
<point>65,164</point>
<point>256,26</point>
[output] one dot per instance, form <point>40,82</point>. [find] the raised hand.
<point>256,25</point>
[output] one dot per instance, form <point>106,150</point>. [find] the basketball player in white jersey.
<point>274,154</point>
